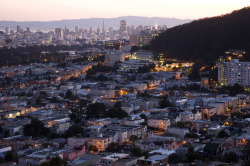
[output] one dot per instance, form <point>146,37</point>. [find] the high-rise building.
<point>28,29</point>
<point>123,26</point>
<point>66,30</point>
<point>59,33</point>
<point>230,73</point>
<point>19,29</point>
<point>76,29</point>
<point>98,31</point>
<point>7,30</point>
<point>104,33</point>
<point>133,40</point>
<point>111,31</point>
<point>144,38</point>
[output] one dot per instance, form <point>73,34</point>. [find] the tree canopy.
<point>35,128</point>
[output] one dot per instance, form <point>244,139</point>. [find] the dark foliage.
<point>136,151</point>
<point>206,38</point>
<point>73,131</point>
<point>56,161</point>
<point>35,128</point>
<point>96,110</point>
<point>116,112</point>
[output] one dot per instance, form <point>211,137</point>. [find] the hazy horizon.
<point>56,10</point>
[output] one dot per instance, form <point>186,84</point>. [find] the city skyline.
<point>33,10</point>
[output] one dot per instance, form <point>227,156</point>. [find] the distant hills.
<point>206,38</point>
<point>96,22</point>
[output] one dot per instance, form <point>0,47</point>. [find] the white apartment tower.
<point>230,73</point>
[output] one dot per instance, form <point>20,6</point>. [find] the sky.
<point>48,10</point>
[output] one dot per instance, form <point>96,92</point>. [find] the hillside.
<point>95,22</point>
<point>206,38</point>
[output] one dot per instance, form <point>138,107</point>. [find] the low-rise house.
<point>127,161</point>
<point>154,160</point>
<point>100,142</point>
<point>74,153</point>
<point>201,125</point>
<point>181,132</point>
<point>131,121</point>
<point>159,122</point>
<point>171,145</point>
<point>230,142</point>
<point>76,142</point>
<point>148,145</point>
<point>190,115</point>
<point>242,140</point>
<point>214,130</point>
<point>98,122</point>
<point>110,159</point>
<point>60,128</point>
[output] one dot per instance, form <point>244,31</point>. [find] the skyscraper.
<point>123,25</point>
<point>76,29</point>
<point>28,29</point>
<point>104,33</point>
<point>59,33</point>
<point>7,30</point>
<point>18,29</point>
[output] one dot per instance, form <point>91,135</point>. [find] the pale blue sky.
<point>44,10</point>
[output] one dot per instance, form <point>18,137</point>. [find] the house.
<point>211,150</point>
<point>76,142</point>
<point>74,153</point>
<point>242,140</point>
<point>214,130</point>
<point>201,125</point>
<point>100,142</point>
<point>98,122</point>
<point>181,132</point>
<point>230,142</point>
<point>190,116</point>
<point>159,122</point>
<point>127,161</point>
<point>150,145</point>
<point>110,159</point>
<point>155,160</point>
<point>60,128</point>
<point>171,145</point>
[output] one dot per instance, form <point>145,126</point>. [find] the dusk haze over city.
<point>125,83</point>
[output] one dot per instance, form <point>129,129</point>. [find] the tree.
<point>35,128</point>
<point>56,161</point>
<point>11,156</point>
<point>164,103</point>
<point>38,101</point>
<point>69,94</point>
<point>134,49</point>
<point>143,116</point>
<point>236,89</point>
<point>93,148</point>
<point>246,154</point>
<point>231,157</point>
<point>173,158</point>
<point>117,113</point>
<point>96,110</point>
<point>222,134</point>
<point>133,138</point>
<point>191,135</point>
<point>7,133</point>
<point>73,131</point>
<point>136,151</point>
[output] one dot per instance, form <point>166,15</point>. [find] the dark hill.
<point>206,38</point>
